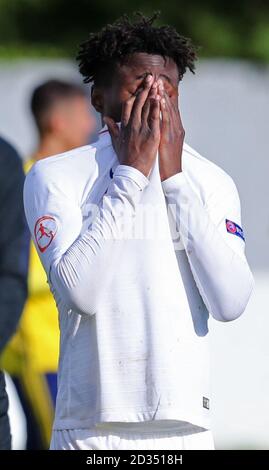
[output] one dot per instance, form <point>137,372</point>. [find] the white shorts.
<point>84,439</point>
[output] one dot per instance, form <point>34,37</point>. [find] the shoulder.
<point>65,173</point>
<point>205,175</point>
<point>55,164</point>
<point>71,173</point>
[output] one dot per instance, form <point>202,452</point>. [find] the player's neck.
<point>50,145</point>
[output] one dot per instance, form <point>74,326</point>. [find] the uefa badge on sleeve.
<point>234,229</point>
<point>45,231</point>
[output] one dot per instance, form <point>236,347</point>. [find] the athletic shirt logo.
<point>234,229</point>
<point>45,231</point>
<point>230,226</point>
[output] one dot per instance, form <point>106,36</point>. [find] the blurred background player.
<point>64,121</point>
<point>14,244</point>
<point>62,114</point>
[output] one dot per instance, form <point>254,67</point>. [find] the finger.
<point>113,130</point>
<point>173,114</point>
<point>153,91</point>
<point>173,99</point>
<point>173,106</point>
<point>141,99</point>
<point>126,110</point>
<point>145,112</point>
<point>178,109</point>
<point>165,112</point>
<point>146,107</point>
<point>154,114</point>
<point>160,87</point>
<point>179,117</point>
<point>164,107</point>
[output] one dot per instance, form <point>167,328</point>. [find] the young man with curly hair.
<point>133,305</point>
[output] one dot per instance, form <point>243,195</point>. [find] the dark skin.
<point>142,89</point>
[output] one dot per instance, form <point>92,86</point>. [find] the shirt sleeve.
<point>76,264</point>
<point>214,242</point>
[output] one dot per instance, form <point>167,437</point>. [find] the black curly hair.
<point>101,52</point>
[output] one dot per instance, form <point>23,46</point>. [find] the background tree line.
<point>238,28</point>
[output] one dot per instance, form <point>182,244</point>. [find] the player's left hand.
<point>172,135</point>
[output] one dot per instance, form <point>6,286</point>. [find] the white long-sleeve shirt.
<point>133,305</point>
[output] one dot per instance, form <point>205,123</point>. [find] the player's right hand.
<point>137,140</point>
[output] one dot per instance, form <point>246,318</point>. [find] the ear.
<point>97,99</point>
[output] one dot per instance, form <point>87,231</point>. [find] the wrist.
<point>165,174</point>
<point>170,161</point>
<point>139,167</point>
